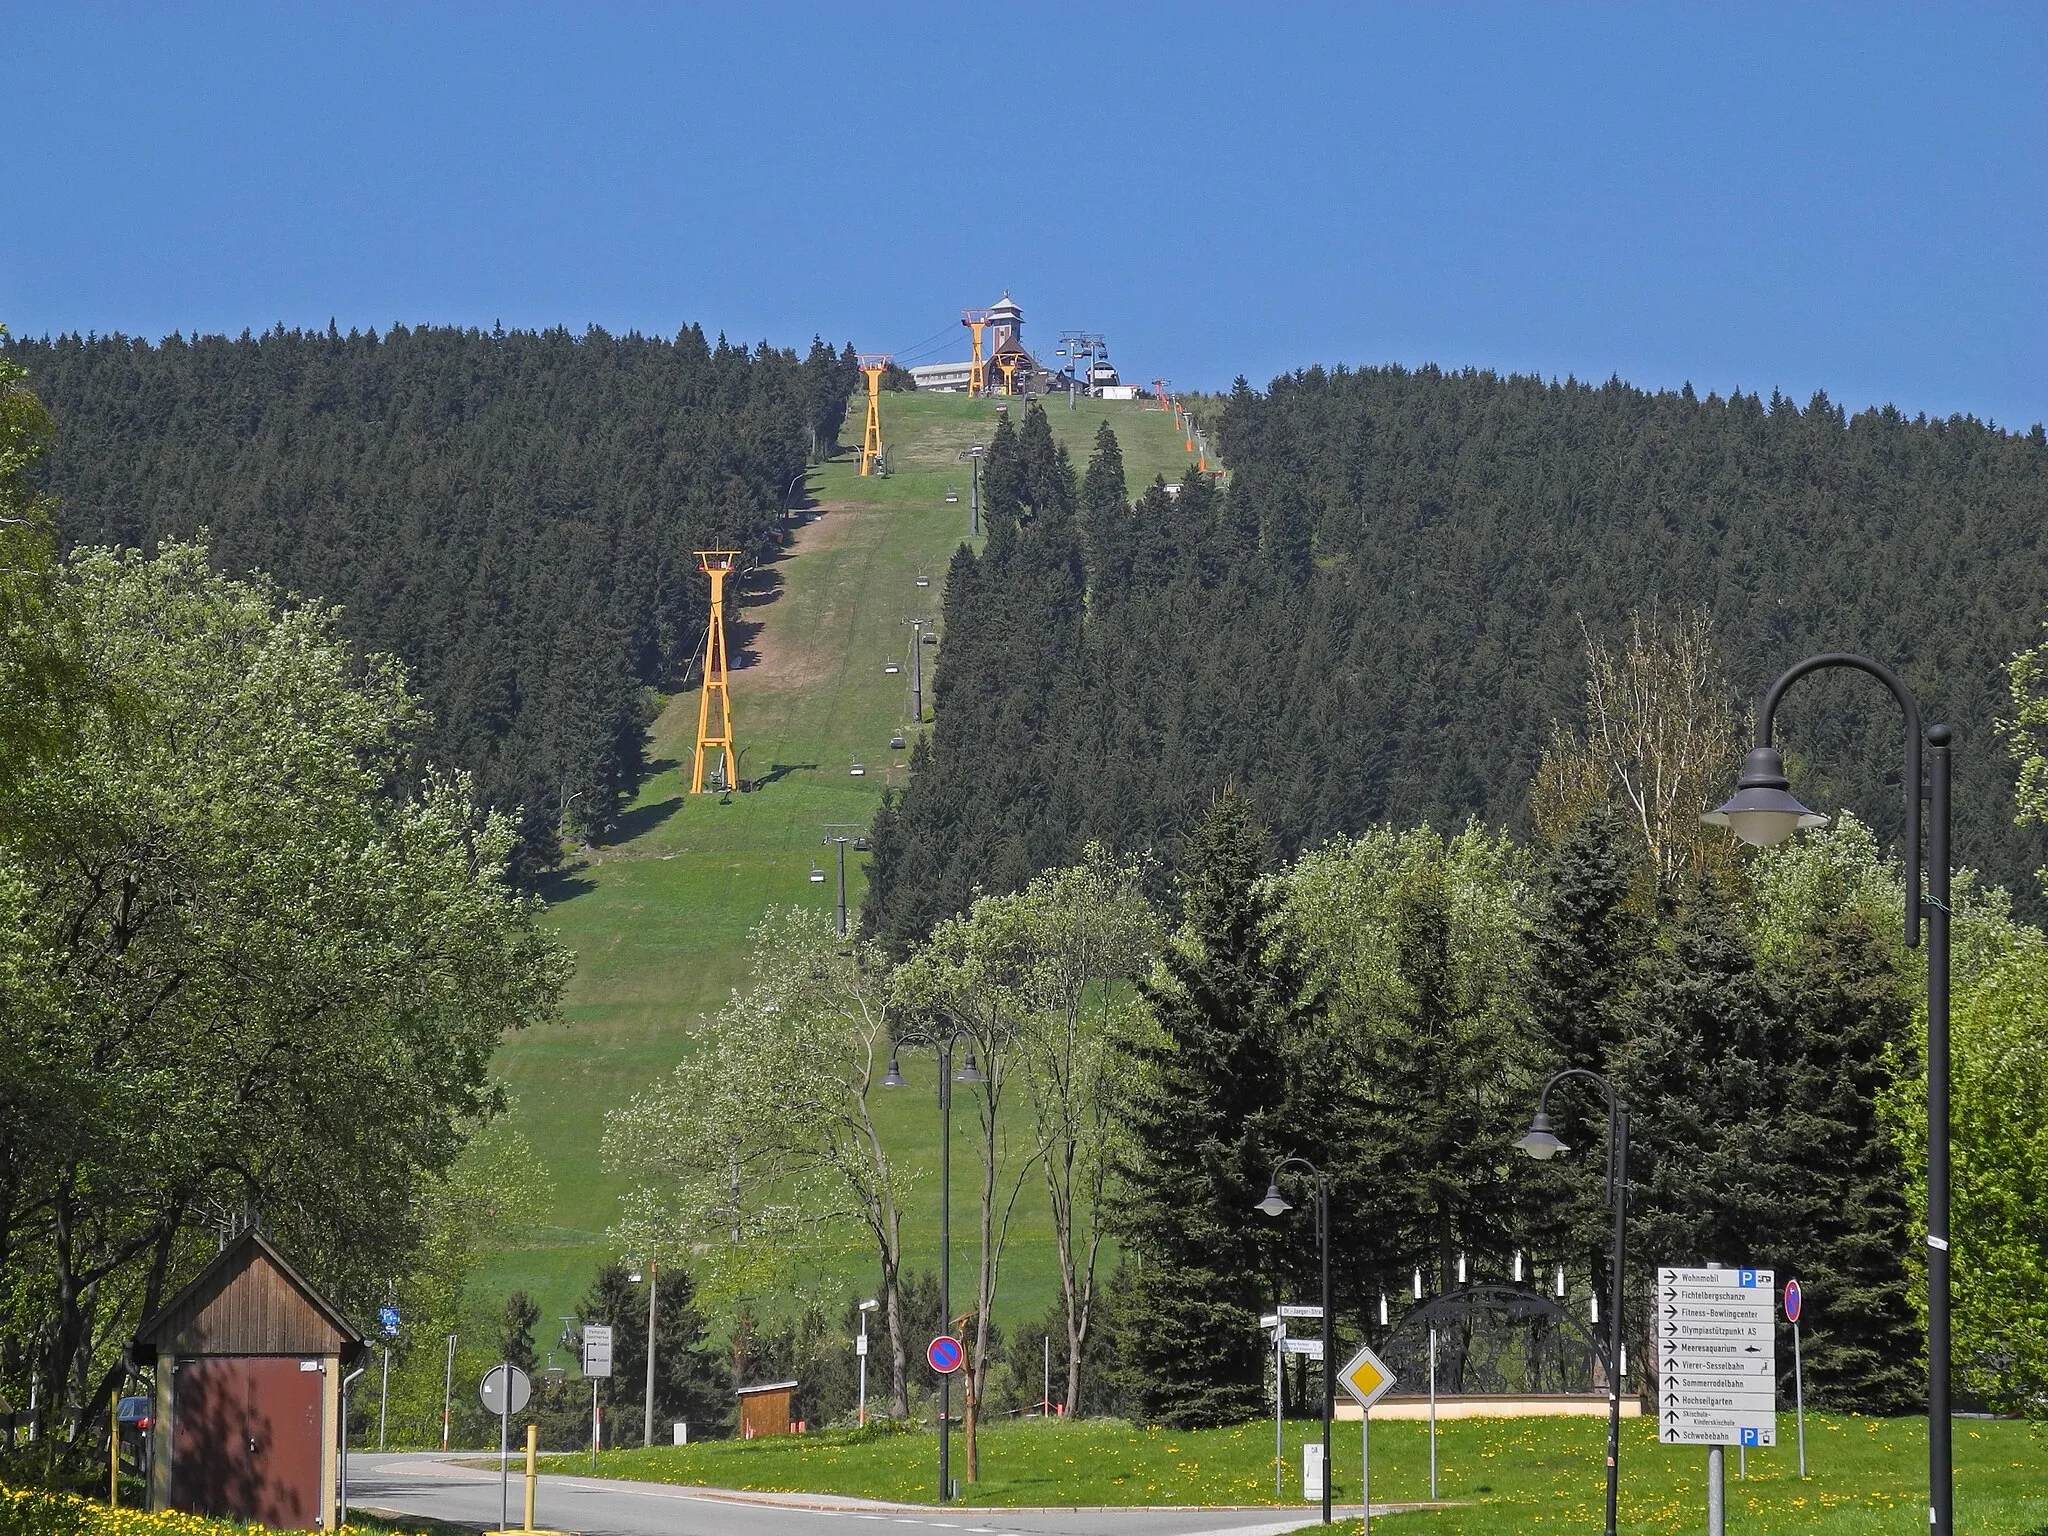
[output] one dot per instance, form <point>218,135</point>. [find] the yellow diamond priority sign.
<point>1366,1378</point>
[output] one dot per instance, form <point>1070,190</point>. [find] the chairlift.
<point>860,845</point>
<point>892,668</point>
<point>858,770</point>
<point>817,874</point>
<point>898,742</point>
<point>952,495</point>
<point>930,637</point>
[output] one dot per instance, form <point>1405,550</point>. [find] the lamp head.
<point>1540,1142</point>
<point>1762,811</point>
<point>969,1072</point>
<point>1275,1203</point>
<point>893,1078</point>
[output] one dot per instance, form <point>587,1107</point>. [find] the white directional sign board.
<point>1717,1356</point>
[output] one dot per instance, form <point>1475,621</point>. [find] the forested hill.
<point>1382,616</point>
<point>512,514</point>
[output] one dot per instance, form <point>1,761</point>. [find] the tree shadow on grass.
<point>642,819</point>
<point>565,886</point>
<point>777,771</point>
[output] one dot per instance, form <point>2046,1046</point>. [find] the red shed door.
<point>245,1440</point>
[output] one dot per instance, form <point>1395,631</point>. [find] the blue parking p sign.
<point>387,1319</point>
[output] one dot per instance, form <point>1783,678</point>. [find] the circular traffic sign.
<point>504,1389</point>
<point>944,1354</point>
<point>1795,1298</point>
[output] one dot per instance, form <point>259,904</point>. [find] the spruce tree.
<point>692,1381</point>
<point>1207,1125</point>
<point>1844,1214</point>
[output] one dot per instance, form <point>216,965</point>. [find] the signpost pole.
<point>1365,1472</point>
<point>384,1398</point>
<point>1799,1398</point>
<point>1717,1496</point>
<point>1279,1401</point>
<point>1432,1415</point>
<point>505,1449</point>
<point>448,1392</point>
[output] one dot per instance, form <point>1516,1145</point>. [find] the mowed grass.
<point>658,915</point>
<point>1506,1475</point>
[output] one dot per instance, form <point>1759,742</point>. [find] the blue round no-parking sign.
<point>1794,1300</point>
<point>944,1354</point>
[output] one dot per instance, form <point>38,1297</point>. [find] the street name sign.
<point>1291,1310</point>
<point>1717,1356</point>
<point>1366,1378</point>
<point>597,1349</point>
<point>1313,1348</point>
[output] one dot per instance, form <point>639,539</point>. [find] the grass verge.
<point>1505,1475</point>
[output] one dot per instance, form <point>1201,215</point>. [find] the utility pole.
<point>653,1289</point>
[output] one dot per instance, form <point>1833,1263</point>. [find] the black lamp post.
<point>1763,812</point>
<point>1276,1204</point>
<point>968,1073</point>
<point>1542,1144</point>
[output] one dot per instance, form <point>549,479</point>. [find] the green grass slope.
<point>658,916</point>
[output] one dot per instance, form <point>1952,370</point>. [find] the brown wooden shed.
<point>248,1359</point>
<point>764,1410</point>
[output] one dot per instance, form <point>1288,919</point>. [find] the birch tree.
<point>765,1134</point>
<point>1087,928</point>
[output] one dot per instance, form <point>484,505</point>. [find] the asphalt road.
<point>424,1485</point>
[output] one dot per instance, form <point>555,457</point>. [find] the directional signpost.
<point>597,1364</point>
<point>1717,1357</point>
<point>1717,1353</point>
<point>1367,1378</point>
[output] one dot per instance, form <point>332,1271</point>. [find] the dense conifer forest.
<point>511,514</point>
<point>1386,611</point>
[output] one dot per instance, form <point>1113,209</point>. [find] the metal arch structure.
<point>716,564</point>
<point>1448,1313</point>
<point>872,367</point>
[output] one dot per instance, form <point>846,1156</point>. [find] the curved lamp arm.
<point>1766,715</point>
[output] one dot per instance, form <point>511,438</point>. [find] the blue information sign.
<point>387,1318</point>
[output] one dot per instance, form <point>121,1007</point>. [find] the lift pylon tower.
<point>976,321</point>
<point>717,564</point>
<point>872,365</point>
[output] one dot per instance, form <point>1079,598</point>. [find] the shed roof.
<point>249,1301</point>
<point>768,1386</point>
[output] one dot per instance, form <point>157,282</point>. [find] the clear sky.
<point>1763,196</point>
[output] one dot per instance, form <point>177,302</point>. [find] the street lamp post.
<point>1542,1144</point>
<point>1763,812</point>
<point>865,1308</point>
<point>1276,1204</point>
<point>968,1073</point>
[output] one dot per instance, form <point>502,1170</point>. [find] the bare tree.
<point>1660,731</point>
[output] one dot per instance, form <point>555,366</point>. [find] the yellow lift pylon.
<point>872,365</point>
<point>717,564</point>
<point>976,320</point>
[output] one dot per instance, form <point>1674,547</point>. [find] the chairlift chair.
<point>952,495</point>
<point>923,580</point>
<point>898,742</point>
<point>892,668</point>
<point>817,874</point>
<point>931,637</point>
<point>858,770</point>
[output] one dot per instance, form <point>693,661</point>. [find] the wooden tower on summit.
<point>717,564</point>
<point>872,366</point>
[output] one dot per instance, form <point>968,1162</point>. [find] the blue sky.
<point>1781,196</point>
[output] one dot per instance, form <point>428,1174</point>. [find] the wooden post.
<point>114,1453</point>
